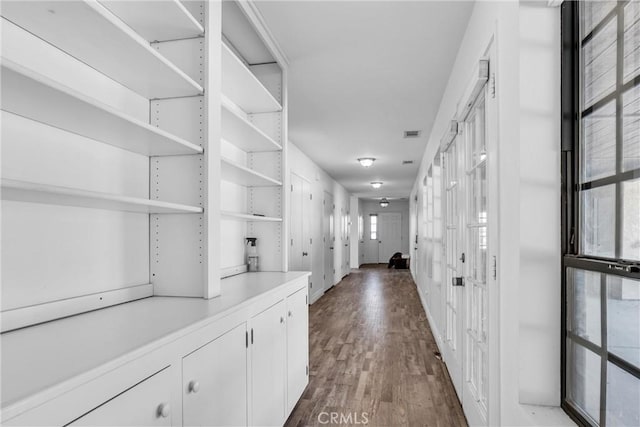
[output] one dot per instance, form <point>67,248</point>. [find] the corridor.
<point>372,357</point>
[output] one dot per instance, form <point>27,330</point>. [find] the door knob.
<point>281,319</point>
<point>290,313</point>
<point>194,386</point>
<point>163,411</point>
<point>304,254</point>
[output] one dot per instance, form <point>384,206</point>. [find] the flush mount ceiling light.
<point>384,202</point>
<point>376,184</point>
<point>366,161</point>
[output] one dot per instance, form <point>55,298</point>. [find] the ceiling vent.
<point>411,133</point>
<point>407,162</point>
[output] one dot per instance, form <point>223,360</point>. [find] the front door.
<point>390,239</point>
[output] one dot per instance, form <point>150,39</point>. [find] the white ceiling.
<point>361,73</point>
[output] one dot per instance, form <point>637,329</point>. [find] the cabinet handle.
<point>163,411</point>
<point>290,313</point>
<point>194,386</point>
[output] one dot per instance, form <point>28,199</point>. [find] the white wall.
<point>302,165</point>
<point>526,34</point>
<point>373,207</point>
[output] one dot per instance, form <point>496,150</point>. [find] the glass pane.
<point>600,64</point>
<point>597,222</point>
<point>623,397</point>
<point>584,297</point>
<point>599,143</point>
<point>631,220</point>
<point>593,12</point>
<point>623,318</point>
<point>584,379</point>
<point>631,40</point>
<point>631,129</point>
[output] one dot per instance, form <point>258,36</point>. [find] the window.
<point>601,211</point>
<point>360,227</point>
<point>373,220</point>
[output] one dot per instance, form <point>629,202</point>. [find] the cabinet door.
<point>297,346</point>
<point>145,404</point>
<point>267,366</point>
<point>215,382</point>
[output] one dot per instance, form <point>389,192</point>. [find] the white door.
<point>297,347</point>
<point>390,231</point>
<point>295,224</point>
<point>468,240</point>
<point>328,238</point>
<point>267,338</point>
<point>476,246</point>
<point>215,382</point>
<point>300,224</point>
<point>454,294</point>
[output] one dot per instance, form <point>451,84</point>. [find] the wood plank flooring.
<point>372,358</point>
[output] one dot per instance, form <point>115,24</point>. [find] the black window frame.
<point>571,187</point>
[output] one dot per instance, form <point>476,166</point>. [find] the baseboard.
<point>432,323</point>
<point>315,297</point>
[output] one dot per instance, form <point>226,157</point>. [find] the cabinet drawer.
<point>144,404</point>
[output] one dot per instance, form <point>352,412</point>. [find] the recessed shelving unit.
<point>242,133</point>
<point>164,20</point>
<point>243,88</point>
<point>42,193</point>
<point>239,174</point>
<point>89,32</point>
<point>74,112</point>
<point>249,217</point>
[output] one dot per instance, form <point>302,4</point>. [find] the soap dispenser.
<point>252,253</point>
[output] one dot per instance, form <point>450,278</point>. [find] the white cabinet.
<point>215,382</point>
<point>145,404</point>
<point>297,346</point>
<point>268,332</point>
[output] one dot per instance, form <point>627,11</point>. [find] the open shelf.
<point>243,88</point>
<point>21,191</point>
<point>235,172</point>
<point>36,97</point>
<point>156,21</point>
<point>249,217</point>
<point>89,32</point>
<point>242,133</point>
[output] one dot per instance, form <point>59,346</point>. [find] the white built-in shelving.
<point>89,32</point>
<point>239,174</point>
<point>240,132</point>
<point>249,217</point>
<point>157,21</point>
<point>70,110</point>
<point>243,88</point>
<point>50,194</point>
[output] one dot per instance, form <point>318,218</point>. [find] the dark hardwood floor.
<point>372,357</point>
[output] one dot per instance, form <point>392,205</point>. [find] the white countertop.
<point>42,356</point>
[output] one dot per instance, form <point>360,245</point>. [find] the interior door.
<point>328,238</point>
<point>476,246</point>
<point>467,237</point>
<point>296,224</point>
<point>300,227</point>
<point>390,230</point>
<point>452,350</point>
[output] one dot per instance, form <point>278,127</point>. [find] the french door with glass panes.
<point>466,190</point>
<point>601,216</point>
